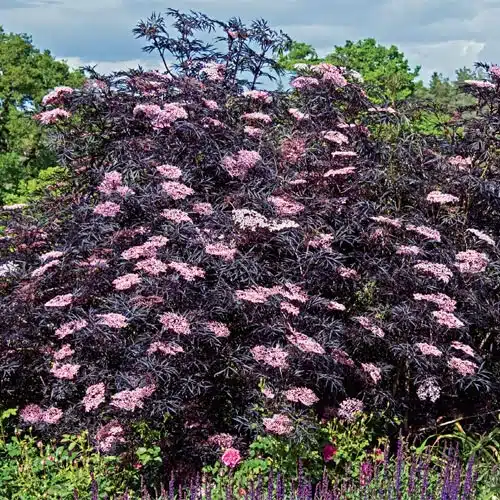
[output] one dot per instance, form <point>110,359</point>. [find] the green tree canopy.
<point>26,75</point>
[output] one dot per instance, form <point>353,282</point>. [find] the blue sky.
<point>439,35</point>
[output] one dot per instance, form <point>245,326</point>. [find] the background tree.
<point>26,75</point>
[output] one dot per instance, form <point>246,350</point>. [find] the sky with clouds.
<point>439,35</point>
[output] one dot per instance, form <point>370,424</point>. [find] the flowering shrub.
<point>194,263</point>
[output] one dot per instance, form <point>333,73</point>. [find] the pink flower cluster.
<point>231,458</point>
<point>367,323</point>
<point>189,273</point>
<point>202,209</point>
<point>107,209</point>
<point>112,183</point>
<point>293,149</point>
<point>254,132</point>
<point>340,356</point>
<point>60,301</point>
<point>259,95</point>
<point>109,435</point>
<point>177,190</point>
<point>447,319</point>
<point>52,116</point>
<point>272,356</point>
<point>482,236</point>
<point>349,409</point>
<point>222,440</point>
<point>321,241</point>
<point>387,220</point>
<point>482,84</point>
<point>438,271</point>
<point>464,348</point>
<point>175,215</point>
<point>429,389</point>
<point>460,162</point>
<point>33,414</point>
<point>169,171</point>
<point>170,349</point>
<point>298,115</point>
<point>471,262</point>
<point>56,96</point>
<point>54,254</point>
<point>336,137</point>
<point>304,343</point>
<point>214,71</point>
<point>335,306</point>
<point>126,281</point>
<point>304,82</point>
<point>301,395</point>
<point>94,396</point>
<point>339,171</point>
<point>70,327</point>
<point>64,352</point>
<point>285,206</point>
<point>43,269</point>
<point>210,104</point>
<point>348,273</point>
<point>428,350</point>
<point>153,267</point>
<point>239,164</point>
<point>131,399</point>
<point>221,250</point>
<point>443,301</point>
<point>463,367</point>
<point>218,329</point>
<point>176,323</point>
<point>67,371</point>
<point>113,320</point>
<point>257,117</point>
<point>439,197</point>
<point>331,74</point>
<point>278,424</point>
<point>425,231</point>
<point>408,250</point>
<point>372,371</point>
<point>290,308</point>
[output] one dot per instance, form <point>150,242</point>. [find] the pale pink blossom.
<point>188,272</point>
<point>153,267</point>
<point>168,349</point>
<point>293,149</point>
<point>218,329</point>
<point>471,262</point>
<point>408,250</point>
<point>443,301</point>
<point>131,399</point>
<point>278,424</point>
<point>460,162</point>
<point>372,371</point>
<point>57,95</point>
<point>447,319</point>
<point>113,320</point>
<point>107,209</point>
<point>109,436</point>
<point>387,220</point>
<point>169,171</point>
<point>304,343</point>
<point>272,356</point>
<point>202,209</point>
<point>439,197</point>
<point>301,395</point>
<point>344,154</point>
<point>94,396</point>
<point>289,308</point>
<point>177,190</point>
<point>71,327</point>
<point>254,132</point>
<point>285,206</point>
<point>298,115</point>
<point>165,117</point>
<point>239,164</point>
<point>321,241</point>
<point>427,232</point>
<point>291,292</point>
<point>175,215</point>
<point>43,269</point>
<point>304,82</point>
<point>137,252</point>
<point>255,294</point>
<point>231,458</point>
<point>335,137</point>
<point>350,409</point>
<point>64,352</point>
<point>222,440</point>
<point>60,301</point>
<point>429,389</point>
<point>214,71</point>
<point>462,366</point>
<point>257,117</point>
<point>340,356</point>
<point>438,271</point>
<point>210,104</point>
<point>335,306</point>
<point>52,415</point>
<point>67,371</point>
<point>367,323</point>
<point>175,322</point>
<point>52,116</point>
<point>208,122</point>
<point>464,348</point>
<point>482,236</point>
<point>482,84</point>
<point>379,109</point>
<point>339,171</point>
<point>348,273</point>
<point>268,393</point>
<point>258,95</point>
<point>126,281</point>
<point>54,254</point>
<point>249,219</point>
<point>33,414</point>
<point>221,250</point>
<point>428,349</point>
